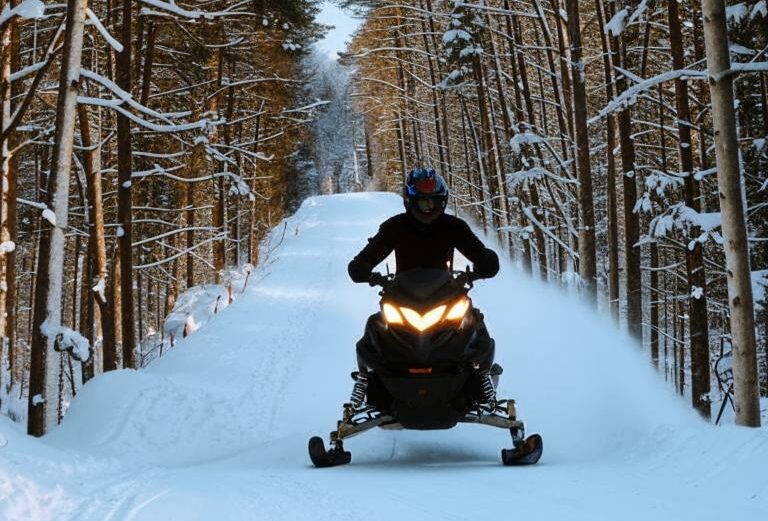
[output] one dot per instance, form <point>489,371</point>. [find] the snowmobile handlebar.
<point>466,278</point>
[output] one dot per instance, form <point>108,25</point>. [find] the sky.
<point>336,39</point>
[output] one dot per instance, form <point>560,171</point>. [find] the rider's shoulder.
<point>454,221</point>
<point>395,221</point>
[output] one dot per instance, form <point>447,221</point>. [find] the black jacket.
<point>419,245</point>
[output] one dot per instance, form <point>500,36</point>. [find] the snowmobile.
<point>426,362</point>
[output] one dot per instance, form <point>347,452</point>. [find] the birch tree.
<point>48,296</point>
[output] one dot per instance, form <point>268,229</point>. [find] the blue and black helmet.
<point>426,192</point>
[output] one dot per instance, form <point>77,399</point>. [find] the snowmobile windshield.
<point>422,283</point>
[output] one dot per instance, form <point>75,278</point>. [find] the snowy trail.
<point>217,428</point>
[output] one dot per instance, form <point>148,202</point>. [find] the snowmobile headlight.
<point>458,310</point>
<point>391,314</point>
<point>425,321</point>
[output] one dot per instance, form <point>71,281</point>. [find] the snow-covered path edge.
<point>217,428</point>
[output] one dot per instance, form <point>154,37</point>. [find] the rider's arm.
<point>377,249</point>
<point>484,260</point>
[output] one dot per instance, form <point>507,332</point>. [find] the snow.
<point>171,7</point>
<point>217,428</point>
<point>639,12</point>
<point>629,96</point>
<point>452,35</point>
<point>615,25</point>
<point>117,46</point>
<point>527,138</point>
<point>760,9</point>
<point>736,13</point>
<point>29,9</point>
<point>67,340</point>
<point>194,308</point>
<point>126,97</point>
<point>49,216</point>
<point>99,288</point>
<point>7,247</point>
<point>740,49</point>
<point>681,217</point>
<point>26,71</point>
<point>759,286</point>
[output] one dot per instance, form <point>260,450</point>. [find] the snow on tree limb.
<point>629,96</point>
<point>114,104</point>
<point>67,340</point>
<point>117,46</point>
<point>48,214</point>
<point>29,9</point>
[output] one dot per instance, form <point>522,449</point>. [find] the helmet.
<point>426,194</point>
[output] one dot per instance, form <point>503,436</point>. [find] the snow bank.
<point>193,309</point>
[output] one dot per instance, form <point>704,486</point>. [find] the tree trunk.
<point>587,261</point>
<point>124,191</point>
<point>8,183</point>
<point>694,255</point>
<point>48,294</point>
<point>634,292</point>
<point>613,222</point>
<point>114,360</point>
<point>746,393</point>
<point>100,280</point>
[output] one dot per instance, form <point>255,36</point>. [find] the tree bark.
<point>48,295</point>
<point>613,223</point>
<point>729,177</point>
<point>100,273</point>
<point>586,208</point>
<point>634,292</point>
<point>124,191</point>
<point>8,183</point>
<point>694,255</point>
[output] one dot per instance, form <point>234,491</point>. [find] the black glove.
<point>358,271</point>
<point>377,279</point>
<point>487,266</point>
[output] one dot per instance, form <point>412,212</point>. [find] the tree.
<point>587,262</point>
<point>729,178</point>
<point>48,294</point>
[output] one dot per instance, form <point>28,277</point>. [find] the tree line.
<point>147,147</point>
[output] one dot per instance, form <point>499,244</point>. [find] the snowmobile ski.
<point>528,452</point>
<point>322,458</point>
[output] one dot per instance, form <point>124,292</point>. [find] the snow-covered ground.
<point>217,428</point>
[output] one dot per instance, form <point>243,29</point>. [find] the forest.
<point>615,148</point>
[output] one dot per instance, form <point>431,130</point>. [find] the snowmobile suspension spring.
<point>486,385</point>
<point>359,389</point>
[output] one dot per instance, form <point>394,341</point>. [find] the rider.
<point>423,236</point>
